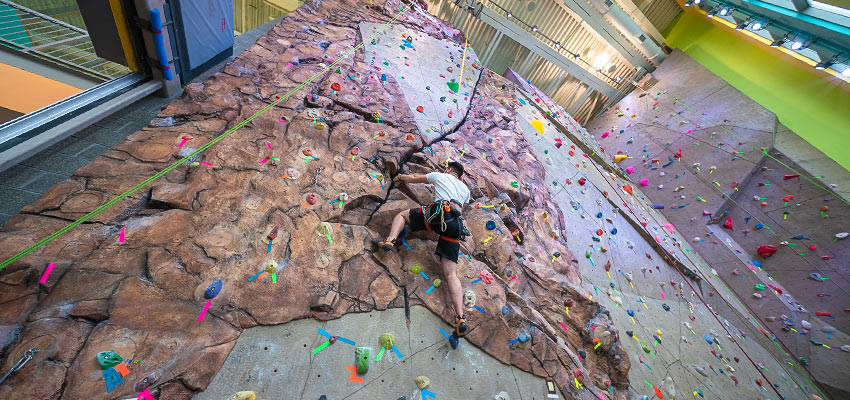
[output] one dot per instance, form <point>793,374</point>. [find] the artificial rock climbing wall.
<point>312,123</point>
<point>703,151</point>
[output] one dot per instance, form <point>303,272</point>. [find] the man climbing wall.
<point>442,217</point>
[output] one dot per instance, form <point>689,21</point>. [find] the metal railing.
<point>42,36</point>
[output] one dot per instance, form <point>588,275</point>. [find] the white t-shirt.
<point>448,187</point>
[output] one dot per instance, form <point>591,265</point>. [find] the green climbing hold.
<point>645,347</point>
<point>361,359</point>
<point>437,283</point>
<point>454,86</point>
<point>759,286</point>
<point>108,359</point>
<point>387,340</point>
<point>515,184</point>
<point>416,269</point>
<point>194,164</point>
<point>588,253</point>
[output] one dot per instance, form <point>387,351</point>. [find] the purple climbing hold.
<point>213,289</point>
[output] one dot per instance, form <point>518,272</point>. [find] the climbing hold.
<point>523,337</point>
<point>644,182</point>
<point>759,286</point>
<point>569,302</point>
<point>312,198</point>
<point>645,347</point>
<point>454,86</point>
<point>387,340</point>
<point>728,223</point>
<point>324,228</point>
<point>665,307</point>
<point>422,382</point>
<point>490,225</point>
<point>361,359</point>
<point>416,269</point>
<point>437,283</point>
<point>469,299</point>
<point>108,359</point>
<point>335,86</point>
<point>538,125</point>
<point>213,289</point>
<point>620,157</point>
<point>244,395</point>
<point>486,276</point>
<point>505,310</point>
<point>766,250</point>
<point>806,324</point>
<point>420,109</point>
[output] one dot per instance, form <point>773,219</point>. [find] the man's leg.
<point>455,288</point>
<point>400,219</point>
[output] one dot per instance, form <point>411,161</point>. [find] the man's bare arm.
<point>412,178</point>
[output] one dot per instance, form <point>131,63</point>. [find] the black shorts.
<point>448,245</point>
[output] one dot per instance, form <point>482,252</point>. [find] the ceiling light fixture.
<point>757,26</point>
<point>797,45</point>
<point>510,15</point>
<point>534,28</point>
<point>557,45</point>
<point>742,25</point>
<point>697,2</point>
<point>826,64</point>
<point>846,72</point>
<point>725,11</point>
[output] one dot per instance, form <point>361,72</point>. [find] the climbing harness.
<point>441,208</point>
<point>20,364</point>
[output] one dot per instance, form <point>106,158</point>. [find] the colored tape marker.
<point>204,311</point>
<point>426,392</point>
<point>395,350</point>
<point>444,333</point>
<point>121,235</point>
<point>479,309</point>
<point>380,354</point>
<point>322,346</point>
<point>344,340</point>
<point>46,273</point>
<point>475,281</point>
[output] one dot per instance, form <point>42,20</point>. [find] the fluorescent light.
<point>757,26</point>
<point>724,11</point>
<point>534,28</point>
<point>557,45</point>
<point>846,72</point>
<point>510,15</point>
<point>797,45</point>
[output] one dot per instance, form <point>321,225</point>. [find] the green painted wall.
<point>811,103</point>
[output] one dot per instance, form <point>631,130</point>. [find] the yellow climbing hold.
<point>538,124</point>
<point>620,157</point>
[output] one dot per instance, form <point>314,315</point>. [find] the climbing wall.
<point>676,344</point>
<point>702,152</point>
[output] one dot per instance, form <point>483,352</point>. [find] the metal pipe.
<point>156,28</point>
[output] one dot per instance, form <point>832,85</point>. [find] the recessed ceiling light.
<point>534,28</point>
<point>510,15</point>
<point>757,25</point>
<point>724,11</point>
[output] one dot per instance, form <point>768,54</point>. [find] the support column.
<point>525,63</point>
<point>491,48</point>
<point>581,99</point>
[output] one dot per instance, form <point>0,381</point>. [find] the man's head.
<point>455,168</point>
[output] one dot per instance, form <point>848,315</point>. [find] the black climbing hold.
<point>630,333</point>
<point>213,289</point>
<point>323,397</point>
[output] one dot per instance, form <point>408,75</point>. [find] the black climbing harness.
<point>443,208</point>
<point>20,364</point>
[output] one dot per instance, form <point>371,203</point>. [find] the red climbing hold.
<point>335,86</point>
<point>582,181</point>
<point>766,250</point>
<point>728,223</point>
<point>420,108</point>
<point>679,153</point>
<point>558,143</point>
<point>790,176</point>
<point>823,313</point>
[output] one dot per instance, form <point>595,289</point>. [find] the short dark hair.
<point>457,168</point>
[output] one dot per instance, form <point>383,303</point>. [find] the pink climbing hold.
<point>605,134</point>
<point>630,170</point>
<point>644,182</point>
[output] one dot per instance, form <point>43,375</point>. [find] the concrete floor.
<point>23,183</point>
<point>276,362</point>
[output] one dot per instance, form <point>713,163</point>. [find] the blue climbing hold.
<point>213,289</point>
<point>614,231</point>
<point>599,215</point>
<point>757,263</point>
<point>708,339</point>
<point>383,77</point>
<point>631,313</point>
<point>490,225</point>
<point>523,337</point>
<point>504,310</point>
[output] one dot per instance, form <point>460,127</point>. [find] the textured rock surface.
<point>142,297</point>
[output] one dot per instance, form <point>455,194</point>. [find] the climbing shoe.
<point>383,245</point>
<point>460,326</point>
<point>453,340</point>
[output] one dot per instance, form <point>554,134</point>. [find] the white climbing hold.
<point>806,324</point>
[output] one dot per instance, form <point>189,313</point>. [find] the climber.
<point>443,217</point>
